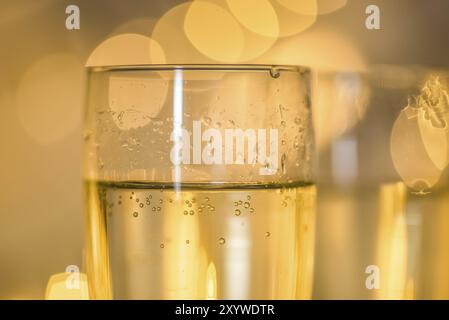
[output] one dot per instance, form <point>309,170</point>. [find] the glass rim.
<point>200,67</point>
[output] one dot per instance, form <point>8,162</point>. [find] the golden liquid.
<point>149,241</point>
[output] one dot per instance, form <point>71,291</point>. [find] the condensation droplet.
<point>207,121</point>
<point>284,163</point>
<point>274,73</point>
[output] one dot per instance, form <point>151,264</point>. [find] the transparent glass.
<point>199,182</point>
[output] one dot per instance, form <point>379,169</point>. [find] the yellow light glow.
<point>214,31</point>
<point>50,97</point>
<point>169,33</point>
<point>211,280</point>
<point>309,7</point>
<point>256,43</point>
<point>127,49</point>
<point>313,7</point>
<point>142,26</point>
<point>328,6</point>
<point>392,242</point>
<point>293,22</point>
<point>321,49</point>
<point>256,15</point>
<point>184,267</point>
<point>57,288</point>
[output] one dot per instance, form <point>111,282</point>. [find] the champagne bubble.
<point>186,212</point>
<point>246,205</point>
<point>162,246</point>
<point>221,240</point>
<point>141,205</point>
<point>267,234</point>
<point>237,212</point>
<point>135,214</point>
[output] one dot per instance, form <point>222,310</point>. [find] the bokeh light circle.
<point>214,31</point>
<point>50,97</point>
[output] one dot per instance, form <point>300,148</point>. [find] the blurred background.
<point>380,107</point>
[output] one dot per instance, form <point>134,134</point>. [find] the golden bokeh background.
<point>361,83</point>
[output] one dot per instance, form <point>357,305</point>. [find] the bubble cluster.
<point>243,206</point>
